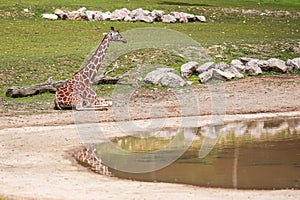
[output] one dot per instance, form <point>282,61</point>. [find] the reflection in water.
<point>247,155</point>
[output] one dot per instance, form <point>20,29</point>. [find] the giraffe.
<point>78,92</point>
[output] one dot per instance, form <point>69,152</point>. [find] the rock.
<point>119,14</point>
<point>168,19</point>
<point>147,19</point>
<point>128,18</point>
<point>106,15</point>
<point>190,17</point>
<point>164,77</point>
<point>221,66</point>
<point>50,16</point>
<point>264,65</point>
<point>172,80</point>
<point>138,14</point>
<point>205,67</point>
<point>252,67</point>
<point>61,14</point>
<point>188,69</point>
<point>215,74</point>
<point>94,15</point>
<point>82,10</point>
<point>180,17</point>
<point>237,64</point>
<point>157,14</point>
<point>200,18</point>
<point>205,76</point>
<point>234,71</point>
<point>293,65</point>
<point>277,65</point>
<point>245,60</point>
<point>77,15</point>
<point>80,14</point>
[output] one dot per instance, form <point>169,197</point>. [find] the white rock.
<point>94,15</point>
<point>157,14</point>
<point>252,67</point>
<point>168,19</point>
<point>222,66</point>
<point>205,67</point>
<point>293,65</point>
<point>238,65</point>
<point>188,69</point>
<point>215,74</point>
<point>119,14</point>
<point>264,65</point>
<point>277,65</point>
<point>147,19</point>
<point>234,71</point>
<point>180,17</point>
<point>61,14</point>
<point>50,16</point>
<point>82,10</point>
<point>200,18</point>
<point>106,15</point>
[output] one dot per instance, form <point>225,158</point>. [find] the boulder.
<point>215,74</point>
<point>252,67</point>
<point>148,19</point>
<point>264,65</point>
<point>245,60</point>
<point>106,15</point>
<point>234,71</point>
<point>94,15</point>
<point>180,17</point>
<point>80,14</point>
<point>164,77</point>
<point>168,19</point>
<point>50,16</point>
<point>200,18</point>
<point>172,80</point>
<point>205,67</point>
<point>221,66</point>
<point>188,69</point>
<point>293,65</point>
<point>61,14</point>
<point>277,65</point>
<point>237,64</point>
<point>139,14</point>
<point>119,14</point>
<point>190,17</point>
<point>157,14</point>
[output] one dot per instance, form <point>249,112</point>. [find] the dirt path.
<point>36,161</point>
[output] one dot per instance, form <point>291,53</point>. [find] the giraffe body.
<point>78,92</point>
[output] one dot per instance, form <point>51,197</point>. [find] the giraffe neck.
<point>93,65</point>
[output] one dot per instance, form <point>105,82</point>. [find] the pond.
<point>240,155</point>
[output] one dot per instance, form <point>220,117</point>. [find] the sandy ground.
<point>36,150</point>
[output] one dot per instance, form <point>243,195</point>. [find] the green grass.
<point>33,49</point>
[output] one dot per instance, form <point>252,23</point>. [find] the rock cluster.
<point>124,14</point>
<point>238,68</point>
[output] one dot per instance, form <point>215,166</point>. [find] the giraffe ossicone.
<point>77,92</point>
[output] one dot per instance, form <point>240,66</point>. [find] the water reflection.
<point>244,155</point>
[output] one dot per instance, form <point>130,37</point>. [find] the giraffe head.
<point>114,35</point>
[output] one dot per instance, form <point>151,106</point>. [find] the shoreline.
<point>26,174</point>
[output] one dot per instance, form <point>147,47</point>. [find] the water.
<point>246,155</point>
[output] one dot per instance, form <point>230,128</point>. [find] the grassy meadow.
<point>33,49</point>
